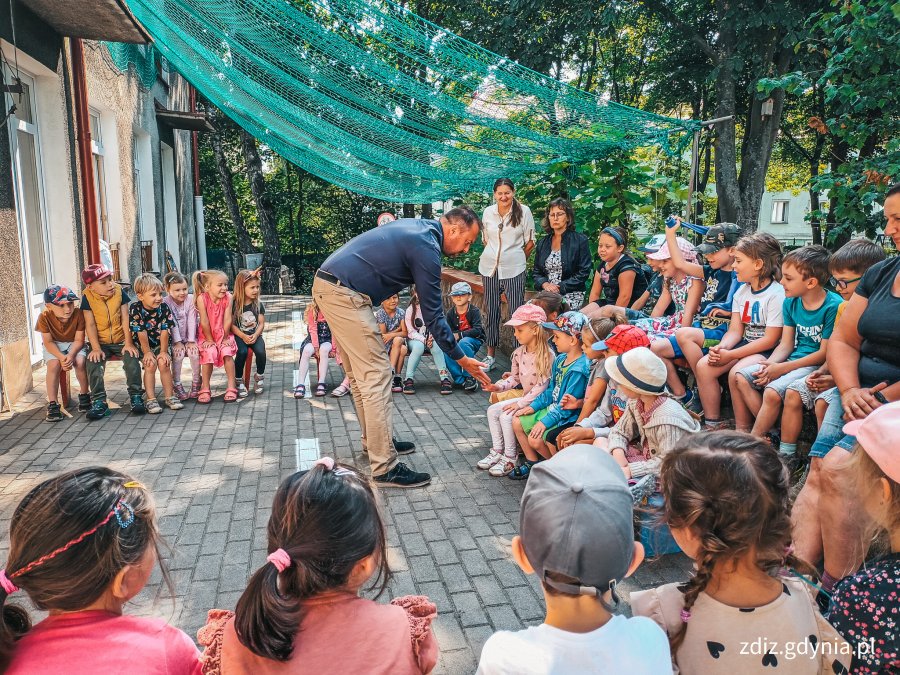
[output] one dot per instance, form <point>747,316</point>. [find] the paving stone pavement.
<point>214,470</point>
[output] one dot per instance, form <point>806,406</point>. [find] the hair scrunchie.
<point>280,558</point>
<point>327,462</point>
<point>7,583</point>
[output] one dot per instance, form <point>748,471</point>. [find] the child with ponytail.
<point>81,545</point>
<point>531,364</point>
<point>301,611</point>
<point>746,609</point>
<point>249,316</point>
<point>217,346</point>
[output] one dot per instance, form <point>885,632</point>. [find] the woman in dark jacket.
<point>562,261</point>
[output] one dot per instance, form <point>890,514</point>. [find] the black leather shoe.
<point>401,476</point>
<point>403,447</point>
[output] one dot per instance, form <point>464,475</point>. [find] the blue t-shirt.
<point>811,327</point>
<point>718,287</point>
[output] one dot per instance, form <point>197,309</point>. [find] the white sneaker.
<point>490,460</point>
<point>502,468</point>
<point>242,390</point>
<point>488,362</point>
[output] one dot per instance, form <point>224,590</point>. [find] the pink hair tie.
<point>280,559</point>
<point>7,583</point>
<point>327,462</point>
<point>685,616</point>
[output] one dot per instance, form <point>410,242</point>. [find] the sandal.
<point>320,389</point>
<point>300,391</point>
<point>340,390</point>
<point>203,396</point>
<point>231,395</point>
<point>521,472</point>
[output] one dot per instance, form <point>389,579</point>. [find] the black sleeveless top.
<point>610,279</point>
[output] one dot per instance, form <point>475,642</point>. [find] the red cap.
<point>623,338</point>
<point>93,273</point>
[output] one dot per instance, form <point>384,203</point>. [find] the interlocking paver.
<point>214,470</point>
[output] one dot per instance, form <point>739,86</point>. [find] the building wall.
<point>797,229</point>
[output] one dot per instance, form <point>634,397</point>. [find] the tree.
<point>266,211</point>
<point>245,245</point>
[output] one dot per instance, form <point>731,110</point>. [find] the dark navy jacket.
<point>387,259</point>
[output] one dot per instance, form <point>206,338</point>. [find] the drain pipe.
<point>198,196</point>
<point>85,157</point>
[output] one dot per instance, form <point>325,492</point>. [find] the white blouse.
<point>504,248</point>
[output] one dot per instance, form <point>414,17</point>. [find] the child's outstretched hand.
<point>96,355</point>
<point>537,431</point>
<point>523,411</point>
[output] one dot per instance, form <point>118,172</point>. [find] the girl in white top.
<point>508,235</point>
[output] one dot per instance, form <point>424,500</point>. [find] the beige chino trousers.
<point>352,321</point>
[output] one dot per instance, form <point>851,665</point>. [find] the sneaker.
<point>470,385</point>
<point>403,447</point>
<point>489,461</point>
<point>446,387</point>
<point>137,404</point>
<point>502,468</point>
<point>520,472</point>
<point>258,381</point>
<point>488,362</point>
<point>716,425</point>
<point>195,390</point>
<point>401,476</point>
<point>84,402</point>
<point>242,390</point>
<point>180,392</point>
<point>54,414</point>
<point>409,387</point>
<point>174,403</point>
<point>397,387</point>
<point>692,402</point>
<point>153,407</point>
<point>795,464</point>
<point>99,409</point>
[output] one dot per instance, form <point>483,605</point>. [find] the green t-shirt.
<point>811,327</point>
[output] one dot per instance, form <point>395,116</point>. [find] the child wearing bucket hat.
<point>530,372</point>
<point>537,425</point>
<point>653,423</point>
<point>862,602</point>
<point>576,534</point>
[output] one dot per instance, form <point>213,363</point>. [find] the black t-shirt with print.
<point>247,319</point>
<point>610,279</point>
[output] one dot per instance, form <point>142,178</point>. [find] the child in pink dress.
<point>81,545</point>
<point>217,346</point>
<point>301,611</point>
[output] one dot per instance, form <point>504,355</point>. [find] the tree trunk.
<point>266,211</point>
<point>244,243</point>
<point>727,189</point>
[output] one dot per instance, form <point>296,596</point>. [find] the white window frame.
<point>785,207</point>
<point>33,295</point>
<point>98,166</point>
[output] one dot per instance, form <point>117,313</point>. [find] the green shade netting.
<point>141,58</point>
<point>376,99</point>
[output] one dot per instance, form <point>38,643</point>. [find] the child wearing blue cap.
<point>61,326</point>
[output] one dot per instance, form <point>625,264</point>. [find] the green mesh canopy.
<point>376,99</point>
<point>141,58</point>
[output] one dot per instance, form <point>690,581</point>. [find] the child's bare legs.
<point>81,373</point>
<point>205,375</point>
<point>792,417</point>
<point>398,353</point>
<point>691,341</point>
<point>523,440</point>
<point>708,387</point>
<point>324,353</point>
<point>167,381</point>
<point>150,380</point>
<point>54,368</point>
<point>821,405</point>
<point>663,349</point>
<point>305,356</point>
<point>768,413</point>
<point>746,402</point>
<point>229,372</point>
<point>539,445</point>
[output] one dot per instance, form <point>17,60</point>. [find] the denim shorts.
<point>831,433</point>
<point>780,384</point>
<point>64,347</point>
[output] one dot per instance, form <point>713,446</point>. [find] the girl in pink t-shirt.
<point>301,611</point>
<point>81,545</point>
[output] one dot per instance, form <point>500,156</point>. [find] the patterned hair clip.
<point>126,521</point>
<point>134,484</point>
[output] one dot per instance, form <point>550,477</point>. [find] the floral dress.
<point>665,326</point>
<point>575,299</point>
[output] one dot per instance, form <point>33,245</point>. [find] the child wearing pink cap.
<point>865,606</point>
<point>530,369</point>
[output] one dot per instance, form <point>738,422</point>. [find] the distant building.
<point>784,216</point>
<point>140,164</point>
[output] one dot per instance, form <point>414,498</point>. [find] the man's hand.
<point>537,431</point>
<point>474,368</point>
<point>96,355</point>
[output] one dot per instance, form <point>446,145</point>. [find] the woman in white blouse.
<point>508,235</point>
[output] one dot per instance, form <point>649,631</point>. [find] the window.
<point>780,210</point>
<point>99,175</point>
